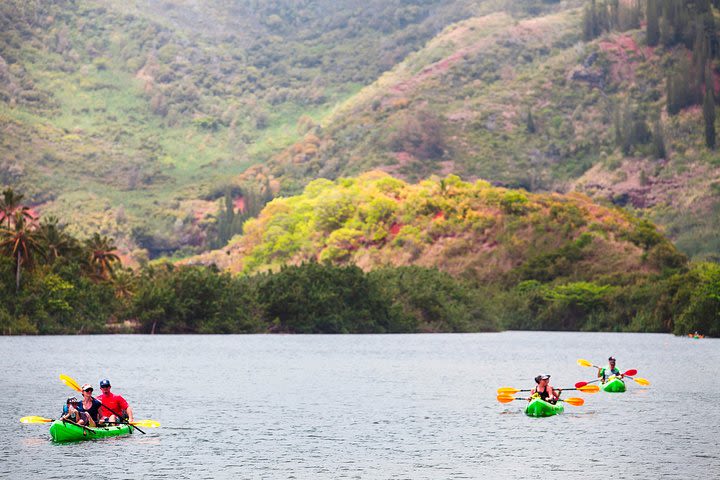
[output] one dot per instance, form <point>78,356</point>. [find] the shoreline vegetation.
<point>53,283</point>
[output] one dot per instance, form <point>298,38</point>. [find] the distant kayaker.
<point>544,390</point>
<point>610,371</point>
<point>72,414</point>
<point>89,404</point>
<point>116,405</point>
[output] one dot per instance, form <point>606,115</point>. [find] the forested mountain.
<point>576,100</point>
<point>133,117</point>
<point>166,124</point>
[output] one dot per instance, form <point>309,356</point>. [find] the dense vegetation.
<point>528,104</point>
<point>171,101</point>
<point>52,283</point>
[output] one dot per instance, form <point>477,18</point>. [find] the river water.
<point>365,406</point>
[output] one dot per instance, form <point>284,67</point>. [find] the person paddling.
<point>90,405</point>
<point>609,371</point>
<point>544,391</point>
<point>113,405</point>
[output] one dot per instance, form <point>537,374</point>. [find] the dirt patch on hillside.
<point>625,55</point>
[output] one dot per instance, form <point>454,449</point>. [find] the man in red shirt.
<point>113,405</point>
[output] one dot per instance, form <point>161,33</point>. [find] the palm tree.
<point>10,203</point>
<point>56,241</point>
<point>22,243</point>
<point>102,256</point>
<point>125,283</point>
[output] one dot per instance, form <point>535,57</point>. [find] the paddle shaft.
<point>78,425</point>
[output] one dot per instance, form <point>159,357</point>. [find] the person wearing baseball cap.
<point>544,391</point>
<point>114,408</point>
<point>89,404</point>
<point>609,371</point>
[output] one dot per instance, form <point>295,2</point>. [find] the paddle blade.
<point>35,419</point>
<point>575,401</point>
<point>505,398</point>
<point>642,381</point>
<point>630,373</point>
<point>70,382</point>
<point>507,391</point>
<point>584,363</point>
<point>146,423</point>
<point>589,389</point>
<point>580,384</point>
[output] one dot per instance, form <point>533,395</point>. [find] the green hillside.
<point>132,118</point>
<point>528,103</point>
<point>147,120</point>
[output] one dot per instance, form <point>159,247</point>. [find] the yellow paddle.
<point>642,381</point>
<point>507,398</point>
<point>36,419</point>
<point>143,423</point>
<point>510,391</point>
<point>575,401</point>
<point>70,382</point>
<point>584,363</point>
<point>146,423</point>
<point>584,389</point>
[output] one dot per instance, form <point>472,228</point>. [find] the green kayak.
<point>540,408</point>
<point>613,385</point>
<point>69,432</point>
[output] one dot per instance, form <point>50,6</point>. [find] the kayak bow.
<point>540,408</point>
<point>613,385</point>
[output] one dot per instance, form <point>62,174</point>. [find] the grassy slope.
<point>121,115</point>
<point>476,82</point>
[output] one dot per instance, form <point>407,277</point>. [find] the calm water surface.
<point>378,407</point>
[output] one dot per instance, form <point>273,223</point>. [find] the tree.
<point>682,87</point>
<point>10,203</point>
<point>56,242</point>
<point>653,23</point>
<point>709,111</point>
<point>530,122</point>
<point>102,256</point>
<point>659,149</point>
<point>21,243</point>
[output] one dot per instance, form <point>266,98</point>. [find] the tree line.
<point>53,283</point>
